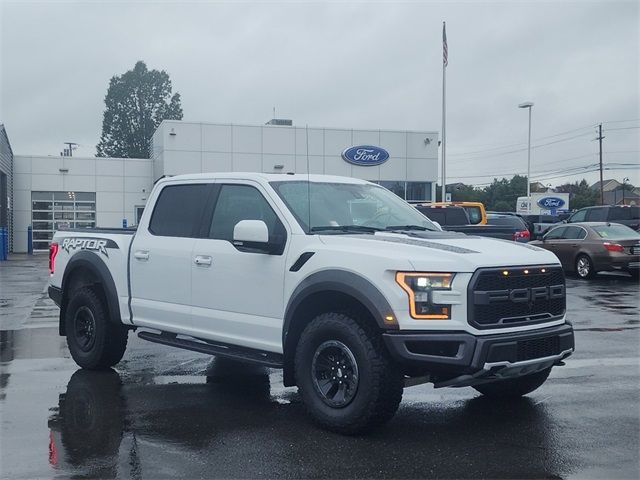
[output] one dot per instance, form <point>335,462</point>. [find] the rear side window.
<point>574,233</point>
<point>178,210</point>
<point>475,215</point>
<point>456,216</point>
<point>597,215</point>
<point>624,213</point>
<point>555,233</point>
<point>435,214</point>
<point>579,216</point>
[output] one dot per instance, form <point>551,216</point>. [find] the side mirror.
<point>253,236</point>
<point>251,233</point>
<point>437,224</point>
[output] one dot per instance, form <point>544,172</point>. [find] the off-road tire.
<point>380,382</point>
<point>590,272</point>
<point>515,387</point>
<point>109,339</point>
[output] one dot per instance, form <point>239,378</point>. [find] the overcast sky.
<point>343,64</point>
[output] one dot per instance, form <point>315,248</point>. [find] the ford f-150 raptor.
<point>337,281</point>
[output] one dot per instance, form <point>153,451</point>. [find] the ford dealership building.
<point>51,192</point>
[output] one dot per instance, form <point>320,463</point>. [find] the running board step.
<point>247,355</point>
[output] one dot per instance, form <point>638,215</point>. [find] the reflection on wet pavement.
<point>165,413</point>
<point>106,428</point>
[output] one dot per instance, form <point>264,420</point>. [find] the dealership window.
<point>51,211</point>
<point>410,191</point>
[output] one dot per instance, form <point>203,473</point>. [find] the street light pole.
<point>528,105</point>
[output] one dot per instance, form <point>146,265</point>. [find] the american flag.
<point>445,49</point>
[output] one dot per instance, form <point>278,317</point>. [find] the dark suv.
<point>628,215</point>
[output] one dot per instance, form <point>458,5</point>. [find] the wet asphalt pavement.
<point>165,412</point>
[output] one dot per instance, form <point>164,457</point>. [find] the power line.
<point>623,121</point>
<point>593,168</point>
<point>622,128</point>
<point>499,147</point>
<point>533,147</point>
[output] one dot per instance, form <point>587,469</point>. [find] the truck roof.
<point>265,177</point>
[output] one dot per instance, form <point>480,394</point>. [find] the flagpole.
<point>445,60</point>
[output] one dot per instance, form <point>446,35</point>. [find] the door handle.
<point>202,260</point>
<point>141,255</point>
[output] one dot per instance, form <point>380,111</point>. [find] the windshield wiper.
<point>346,228</point>
<point>407,227</point>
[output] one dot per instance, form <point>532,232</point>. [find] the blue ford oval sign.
<point>551,203</point>
<point>365,155</point>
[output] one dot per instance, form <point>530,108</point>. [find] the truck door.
<point>160,260</point>
<point>238,293</point>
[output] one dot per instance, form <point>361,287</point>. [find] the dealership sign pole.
<point>445,62</point>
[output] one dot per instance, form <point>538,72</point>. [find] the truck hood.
<point>443,251</point>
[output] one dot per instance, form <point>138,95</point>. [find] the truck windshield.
<point>349,207</point>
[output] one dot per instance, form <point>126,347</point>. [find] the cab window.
<point>242,202</point>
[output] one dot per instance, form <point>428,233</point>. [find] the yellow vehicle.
<point>475,210</point>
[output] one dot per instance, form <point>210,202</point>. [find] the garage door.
<point>51,211</point>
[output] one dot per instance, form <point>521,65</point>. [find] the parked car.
<point>591,247</point>
<point>520,228</point>
<point>454,218</point>
<point>628,215</point>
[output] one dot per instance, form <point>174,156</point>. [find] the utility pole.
<point>600,137</point>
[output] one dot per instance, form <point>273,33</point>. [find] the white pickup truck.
<point>337,281</point>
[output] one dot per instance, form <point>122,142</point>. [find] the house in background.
<point>616,193</point>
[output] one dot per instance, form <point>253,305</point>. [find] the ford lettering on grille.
<point>521,296</point>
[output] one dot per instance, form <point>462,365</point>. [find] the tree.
<point>136,103</point>
<point>580,194</point>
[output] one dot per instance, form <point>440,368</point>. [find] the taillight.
<point>613,247</point>
<point>521,234</point>
<point>53,251</point>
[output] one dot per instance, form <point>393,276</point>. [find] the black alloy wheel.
<point>335,373</point>
<point>84,328</point>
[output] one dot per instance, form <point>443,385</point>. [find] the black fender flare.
<point>93,263</point>
<point>341,281</point>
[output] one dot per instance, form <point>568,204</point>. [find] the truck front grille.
<point>514,296</point>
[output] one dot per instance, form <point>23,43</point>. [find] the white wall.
<point>119,183</point>
<point>186,147</point>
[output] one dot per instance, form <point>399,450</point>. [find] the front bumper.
<point>462,359</point>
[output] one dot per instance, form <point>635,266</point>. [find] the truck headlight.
<point>420,287</point>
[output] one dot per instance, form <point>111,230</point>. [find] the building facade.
<point>74,192</point>
<point>410,171</point>
<point>6,184</point>
<point>52,192</point>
